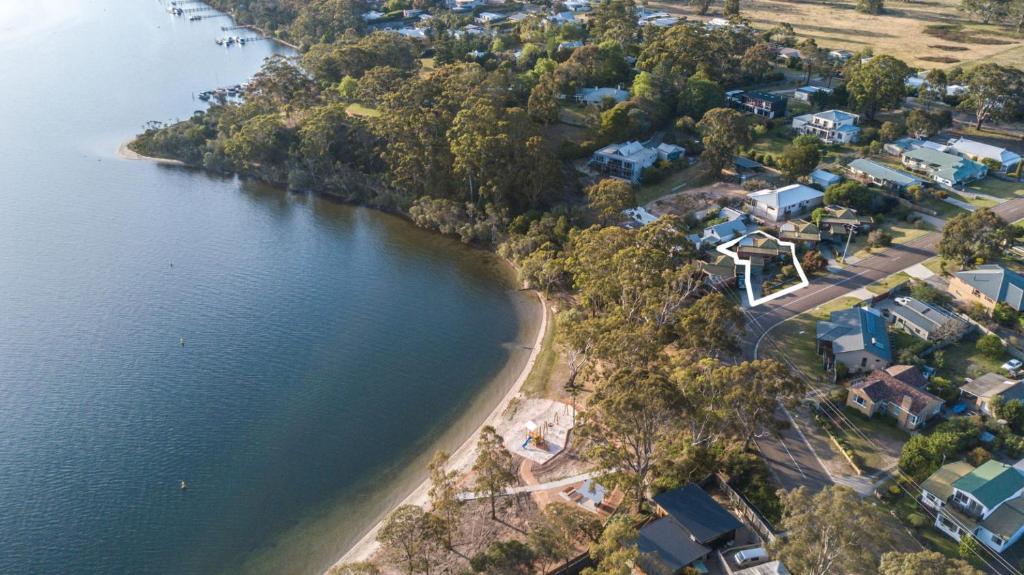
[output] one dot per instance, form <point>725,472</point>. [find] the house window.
<point>949,525</point>
<point>858,400</point>
<point>913,420</point>
<point>997,540</point>
<point>863,361</point>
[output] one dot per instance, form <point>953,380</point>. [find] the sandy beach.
<point>126,153</point>
<point>463,457</point>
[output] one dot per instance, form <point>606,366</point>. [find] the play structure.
<point>534,435</point>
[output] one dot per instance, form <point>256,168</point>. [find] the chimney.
<point>905,406</point>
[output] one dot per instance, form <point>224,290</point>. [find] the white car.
<point>1013,366</point>
<point>748,556</point>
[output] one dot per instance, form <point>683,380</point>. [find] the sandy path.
<point>463,457</point>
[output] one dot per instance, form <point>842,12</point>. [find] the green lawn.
<point>774,140</point>
<point>537,383</point>
<point>904,507</point>
<point>901,232</point>
<point>998,188</point>
<point>889,282</point>
<point>794,339</point>
<point>361,111</point>
<point>963,360</point>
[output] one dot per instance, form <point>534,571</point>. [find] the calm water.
<point>325,346</point>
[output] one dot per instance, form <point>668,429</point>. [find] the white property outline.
<point>724,249</point>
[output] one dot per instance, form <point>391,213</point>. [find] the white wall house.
<point>979,151</point>
<point>985,501</point>
<point>831,127</point>
<point>626,161</point>
<point>783,203</point>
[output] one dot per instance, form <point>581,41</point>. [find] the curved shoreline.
<point>126,153</point>
<point>463,457</point>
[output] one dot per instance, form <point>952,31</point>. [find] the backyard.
<point>963,360</point>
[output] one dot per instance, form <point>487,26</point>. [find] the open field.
<point>795,337</point>
<point>901,232</point>
<point>361,111</point>
<point>900,32</point>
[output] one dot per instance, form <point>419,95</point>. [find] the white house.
<point>979,151</point>
<point>985,501</point>
<point>805,93</point>
<point>626,161</point>
<point>487,18</point>
<point>783,203</point>
<point>831,127</point>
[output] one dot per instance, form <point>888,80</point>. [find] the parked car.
<point>1013,366</point>
<point>748,556</point>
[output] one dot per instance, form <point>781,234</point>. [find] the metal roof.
<point>856,329</point>
<point>783,197</point>
<point>991,483</point>
<point>996,282</point>
<point>667,544</point>
<point>695,510</point>
<point>940,483</point>
<point>881,172</point>
<point>993,384</point>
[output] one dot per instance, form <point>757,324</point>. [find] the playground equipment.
<point>535,434</point>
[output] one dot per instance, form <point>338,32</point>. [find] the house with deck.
<point>783,203</point>
<point>762,104</point>
<point>988,285</point>
<point>871,172</point>
<point>626,161</point>
<point>597,96</point>
<point>857,338</point>
<point>831,126</point>
<point>840,221</point>
<point>985,501</point>
<point>898,392</point>
<point>690,527</point>
<point>947,170</point>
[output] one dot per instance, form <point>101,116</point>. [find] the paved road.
<point>863,273</point>
<point>790,458</point>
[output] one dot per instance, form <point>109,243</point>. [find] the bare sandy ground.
<point>127,154</point>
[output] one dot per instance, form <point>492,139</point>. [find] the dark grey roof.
<point>666,547</point>
<point>695,510</point>
<point>996,282</point>
<point>925,316</point>
<point>856,329</point>
<point>993,384</point>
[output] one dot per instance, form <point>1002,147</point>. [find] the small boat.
<point>184,485</point>
<point>182,342</point>
<point>195,18</point>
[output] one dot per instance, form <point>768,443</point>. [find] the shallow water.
<point>325,347</point>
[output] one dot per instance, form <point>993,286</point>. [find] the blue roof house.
<point>857,337</point>
<point>824,179</point>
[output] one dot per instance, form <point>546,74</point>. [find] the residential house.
<point>917,82</point>
<point>577,5</point>
<point>857,338</point>
<point>978,151</point>
<point>783,203</point>
<point>570,45</point>
<point>758,103</point>
<point>488,18</point>
<point>691,525</point>
<point>926,321</point>
<point>734,226</point>
<point>806,93</point>
<point>626,161</point>
<point>597,96</point>
<point>373,16</point>
<point>760,249</point>
<point>745,167</point>
<point>901,396</point>
<point>831,127</point>
<point>670,152</point>
<point>789,54</point>
<point>988,285</point>
<point>719,272</point>
<point>871,172</point>
<point>800,232</point>
<point>947,170</point>
<point>986,502</point>
<point>416,33</point>
<point>839,221</point>
<point>840,55</point>
<point>823,179</point>
<point>899,147</point>
<point>938,488</point>
<point>981,391</point>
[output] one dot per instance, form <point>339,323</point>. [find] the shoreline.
<point>126,153</point>
<point>462,458</point>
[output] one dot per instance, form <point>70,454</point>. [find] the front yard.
<point>794,340</point>
<point>900,231</point>
<point>887,283</point>
<point>998,188</point>
<point>881,448</point>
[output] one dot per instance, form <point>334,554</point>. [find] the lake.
<point>294,360</point>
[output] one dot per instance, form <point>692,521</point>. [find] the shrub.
<point>879,239</point>
<point>917,520</point>
<point>991,346</point>
<point>978,456</point>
